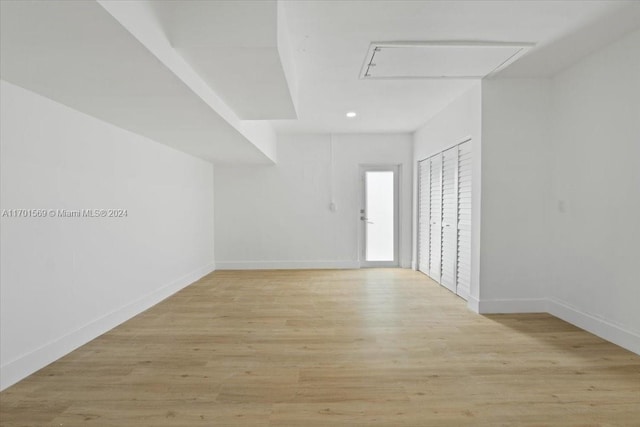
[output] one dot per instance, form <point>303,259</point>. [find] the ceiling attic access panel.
<point>424,60</point>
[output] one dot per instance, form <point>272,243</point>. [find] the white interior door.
<point>379,216</point>
<point>423,215</point>
<point>449,218</point>
<point>435,216</point>
<point>463,274</point>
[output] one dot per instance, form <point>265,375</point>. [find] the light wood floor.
<point>331,348</point>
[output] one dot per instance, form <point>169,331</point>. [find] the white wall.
<point>456,122</point>
<point>561,194</point>
<point>516,186</point>
<point>279,217</point>
<point>65,281</point>
<point>596,177</point>
<point>459,121</point>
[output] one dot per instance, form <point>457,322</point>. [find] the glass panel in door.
<point>380,211</point>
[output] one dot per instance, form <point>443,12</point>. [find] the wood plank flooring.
<point>379,347</point>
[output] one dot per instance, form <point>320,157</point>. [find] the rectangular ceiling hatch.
<point>454,59</point>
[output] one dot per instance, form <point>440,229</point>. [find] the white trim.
<point>596,325</point>
<point>520,305</point>
<point>603,328</point>
<point>396,168</point>
<point>473,304</point>
<point>448,147</point>
<point>286,265</point>
<point>17,369</point>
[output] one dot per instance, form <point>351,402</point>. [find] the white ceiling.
<point>233,46</point>
<point>331,38</point>
<point>75,53</point>
<point>208,77</point>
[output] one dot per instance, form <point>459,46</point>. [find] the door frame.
<point>419,227</point>
<point>362,234</point>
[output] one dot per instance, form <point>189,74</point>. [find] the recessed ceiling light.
<point>351,114</point>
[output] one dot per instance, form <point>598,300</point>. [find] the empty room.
<point>319,213</point>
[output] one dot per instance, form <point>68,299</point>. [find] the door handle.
<point>365,219</point>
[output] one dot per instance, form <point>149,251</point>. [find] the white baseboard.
<point>24,366</point>
<point>16,370</point>
<point>473,304</point>
<point>599,326</point>
<point>596,325</point>
<point>285,265</point>
<point>524,305</point>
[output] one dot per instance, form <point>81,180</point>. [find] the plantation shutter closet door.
<point>464,220</point>
<point>424,187</point>
<point>449,219</point>
<point>435,216</point>
<point>444,218</point>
